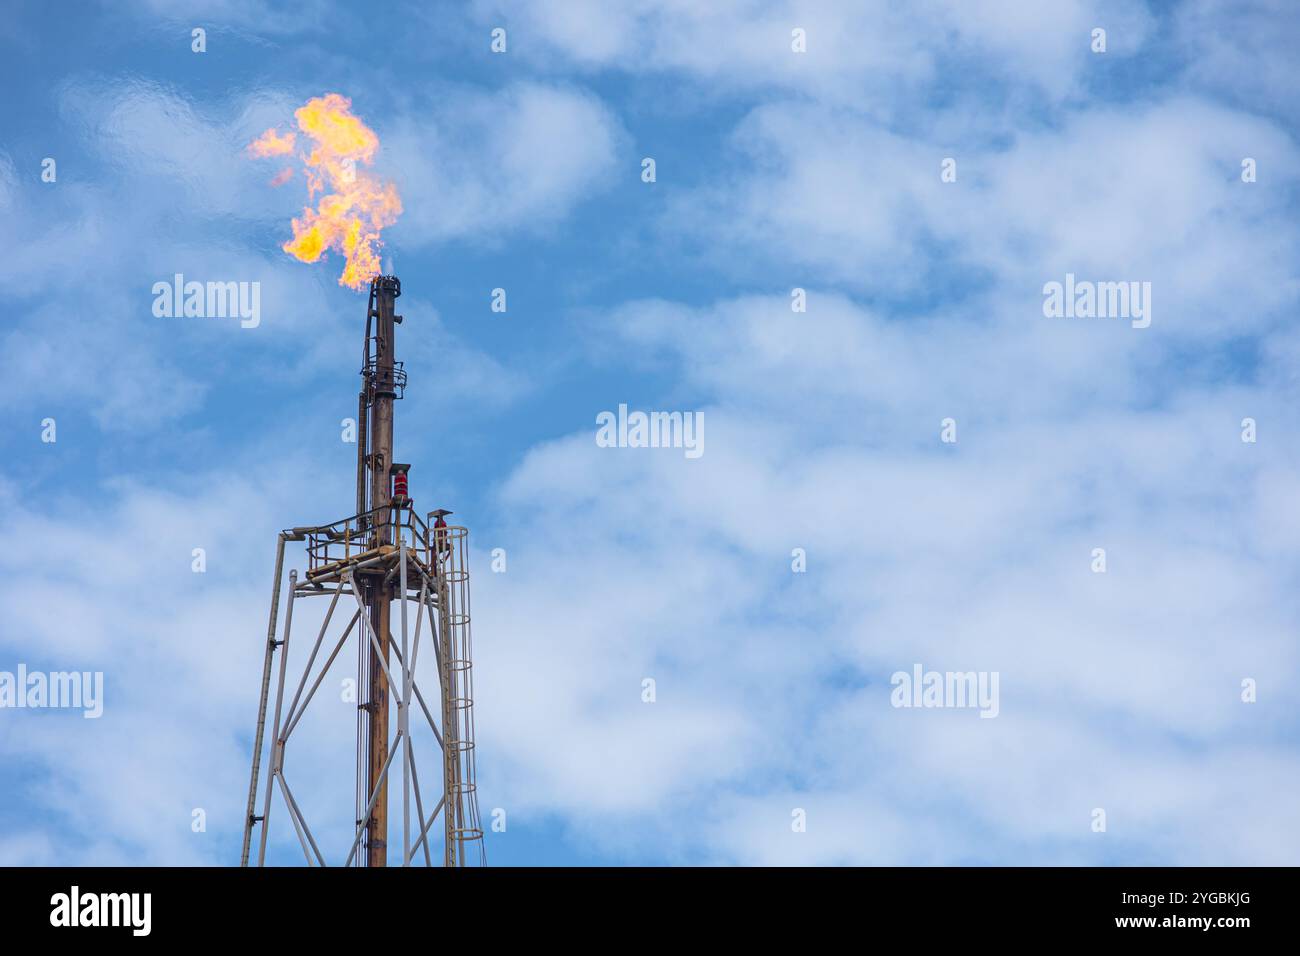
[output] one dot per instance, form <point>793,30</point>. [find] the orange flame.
<point>355,207</point>
<point>271,143</point>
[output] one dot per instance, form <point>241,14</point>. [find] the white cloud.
<point>481,165</point>
<point>1239,51</point>
<point>1148,193</point>
<point>875,56</point>
<point>631,563</point>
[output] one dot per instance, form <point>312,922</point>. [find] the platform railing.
<point>348,538</point>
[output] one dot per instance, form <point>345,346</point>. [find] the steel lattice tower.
<point>385,554</point>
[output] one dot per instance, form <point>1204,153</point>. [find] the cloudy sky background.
<point>775,170</point>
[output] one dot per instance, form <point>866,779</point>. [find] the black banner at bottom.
<point>213,906</point>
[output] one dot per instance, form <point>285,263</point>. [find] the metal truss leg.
<point>249,818</point>
<point>277,752</point>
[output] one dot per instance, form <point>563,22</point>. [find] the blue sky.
<point>775,170</point>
